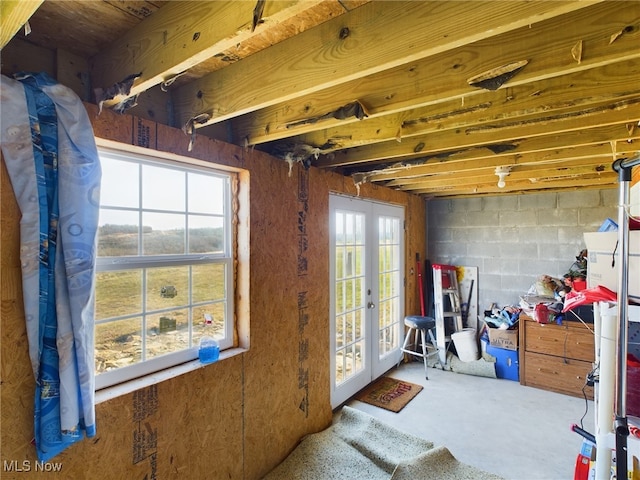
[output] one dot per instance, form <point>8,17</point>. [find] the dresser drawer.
<point>566,341</point>
<point>556,374</point>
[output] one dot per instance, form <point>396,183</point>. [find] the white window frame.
<point>167,361</point>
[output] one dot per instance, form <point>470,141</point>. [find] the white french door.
<point>367,292</point>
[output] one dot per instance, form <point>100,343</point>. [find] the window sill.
<point>125,388</point>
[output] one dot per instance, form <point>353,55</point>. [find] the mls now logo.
<point>28,466</point>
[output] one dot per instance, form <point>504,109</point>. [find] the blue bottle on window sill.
<point>208,350</point>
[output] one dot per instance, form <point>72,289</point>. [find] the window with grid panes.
<point>164,269</point>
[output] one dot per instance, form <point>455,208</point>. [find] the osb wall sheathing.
<point>239,417</point>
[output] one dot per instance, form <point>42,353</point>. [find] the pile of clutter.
<point>545,300</point>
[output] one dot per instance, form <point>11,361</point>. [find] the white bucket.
<point>466,344</point>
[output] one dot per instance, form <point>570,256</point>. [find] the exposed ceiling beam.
<point>14,14</point>
<point>375,37</point>
<point>597,180</point>
<point>583,89</point>
<point>580,156</point>
<point>536,173</point>
<point>183,34</point>
<point>576,121</point>
<point>444,76</point>
<point>543,149</point>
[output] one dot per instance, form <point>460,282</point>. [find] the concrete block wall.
<point>513,239</point>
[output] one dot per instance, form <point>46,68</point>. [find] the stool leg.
<point>424,352</point>
<point>407,337</point>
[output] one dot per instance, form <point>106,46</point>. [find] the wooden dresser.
<point>556,357</point>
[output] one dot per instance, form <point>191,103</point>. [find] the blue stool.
<point>423,326</point>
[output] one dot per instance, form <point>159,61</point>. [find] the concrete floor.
<point>500,426</point>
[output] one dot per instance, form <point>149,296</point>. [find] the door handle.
<point>371,305</point>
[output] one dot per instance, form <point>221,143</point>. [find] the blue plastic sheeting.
<point>50,152</point>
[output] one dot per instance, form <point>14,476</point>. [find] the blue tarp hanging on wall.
<point>50,152</point>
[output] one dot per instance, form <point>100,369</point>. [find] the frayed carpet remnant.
<point>360,447</point>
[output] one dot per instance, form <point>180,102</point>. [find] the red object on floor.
<point>581,471</point>
<point>633,386</point>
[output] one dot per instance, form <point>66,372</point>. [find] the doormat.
<point>389,393</point>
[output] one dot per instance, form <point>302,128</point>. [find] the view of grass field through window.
<point>163,261</point>
<point>125,297</point>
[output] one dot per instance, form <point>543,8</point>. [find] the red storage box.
<point>633,386</point>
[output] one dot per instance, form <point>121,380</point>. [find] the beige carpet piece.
<point>439,463</point>
<point>485,366</point>
<point>360,447</point>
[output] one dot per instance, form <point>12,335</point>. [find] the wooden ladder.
<point>445,286</point>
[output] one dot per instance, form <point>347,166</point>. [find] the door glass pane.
<point>389,277</point>
<point>349,294</point>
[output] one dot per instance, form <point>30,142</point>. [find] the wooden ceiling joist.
<point>351,47</point>
<point>533,174</point>
<point>591,155</point>
<point>441,78</point>
<point>15,14</point>
<point>576,121</point>
<point>180,36</point>
<point>425,96</point>
<point>597,180</point>
<point>599,85</point>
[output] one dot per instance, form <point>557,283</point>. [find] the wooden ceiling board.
<point>443,77</point>
<point>180,36</point>
<point>352,46</point>
<point>387,92</point>
<point>607,84</point>
<point>579,121</point>
<point>15,14</point>
<point>548,149</point>
<point>279,30</point>
<point>79,26</point>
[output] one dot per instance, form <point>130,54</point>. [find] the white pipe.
<point>606,391</point>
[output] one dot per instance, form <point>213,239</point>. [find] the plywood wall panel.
<point>284,285</point>
<point>110,125</point>
<point>239,417</point>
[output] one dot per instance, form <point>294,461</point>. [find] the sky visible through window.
<point>163,190</point>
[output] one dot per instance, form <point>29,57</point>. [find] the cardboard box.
<point>507,365</point>
<point>603,251</point>
<point>507,339</point>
